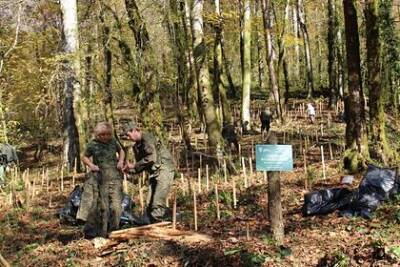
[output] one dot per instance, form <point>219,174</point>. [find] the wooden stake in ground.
<point>244,173</point>
<point>207,179</point>
<point>225,172</point>
<point>274,201</point>
<point>305,170</point>
<point>174,213</point>
<point>199,180</point>
<point>234,192</point>
<point>141,201</point>
<point>62,179</point>
<point>323,162</point>
<point>217,202</point>
<point>251,171</point>
<point>195,210</point>
<point>265,176</point>
<point>330,151</point>
<point>125,184</point>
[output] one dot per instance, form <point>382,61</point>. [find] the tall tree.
<point>71,86</point>
<point>331,53</point>
<point>246,67</point>
<point>148,97</point>
<point>270,59</point>
<point>108,96</point>
<point>176,26</point>
<point>378,146</point>
<point>203,78</point>
<point>220,77</point>
<point>307,48</point>
<point>356,135</point>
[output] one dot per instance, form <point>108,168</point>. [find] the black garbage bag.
<point>326,201</point>
<point>68,213</point>
<point>127,207</point>
<point>378,185</point>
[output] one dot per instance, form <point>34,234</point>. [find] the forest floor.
<point>31,233</point>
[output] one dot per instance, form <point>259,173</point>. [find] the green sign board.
<point>274,158</point>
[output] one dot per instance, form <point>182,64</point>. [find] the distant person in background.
<point>265,118</point>
<point>230,136</point>
<point>311,112</point>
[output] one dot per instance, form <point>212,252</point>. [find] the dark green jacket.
<point>151,155</point>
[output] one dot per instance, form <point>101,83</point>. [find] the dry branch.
<point>159,231</point>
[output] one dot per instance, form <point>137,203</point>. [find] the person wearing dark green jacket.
<point>154,158</point>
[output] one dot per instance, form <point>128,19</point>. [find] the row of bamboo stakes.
<point>31,186</point>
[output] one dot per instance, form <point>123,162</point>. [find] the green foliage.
<point>340,259</point>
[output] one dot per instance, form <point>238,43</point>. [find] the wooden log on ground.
<point>159,231</point>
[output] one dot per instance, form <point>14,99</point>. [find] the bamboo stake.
<point>251,171</point>
<point>240,150</point>
<point>244,173</point>
<point>305,169</point>
<point>265,177</point>
<point>234,192</point>
<point>330,151</point>
<point>174,213</point>
<point>195,210</point>
<point>62,179</point>
<point>199,180</point>
<point>43,177</point>
<point>225,172</point>
<point>217,202</point>
<point>207,179</point>
<point>323,162</point>
<point>141,196</point>
<point>322,130</point>
<point>125,184</point>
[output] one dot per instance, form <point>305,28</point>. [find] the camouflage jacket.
<point>103,154</point>
<point>151,155</point>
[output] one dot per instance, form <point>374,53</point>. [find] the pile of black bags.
<point>378,185</point>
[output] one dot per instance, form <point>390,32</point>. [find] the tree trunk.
<point>307,49</point>
<point>179,42</point>
<point>219,73</point>
<point>331,53</point>
<point>108,96</point>
<point>246,67</point>
<point>274,200</point>
<point>282,61</point>
<point>260,61</point>
<point>203,80</point>
<point>296,45</point>
<point>356,138</point>
<point>149,98</point>
<point>378,146</point>
<point>71,117</point>
<point>270,60</point>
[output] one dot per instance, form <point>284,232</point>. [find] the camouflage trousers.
<point>101,201</point>
<point>159,187</point>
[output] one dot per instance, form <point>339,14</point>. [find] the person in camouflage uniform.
<point>103,189</point>
<point>151,156</point>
